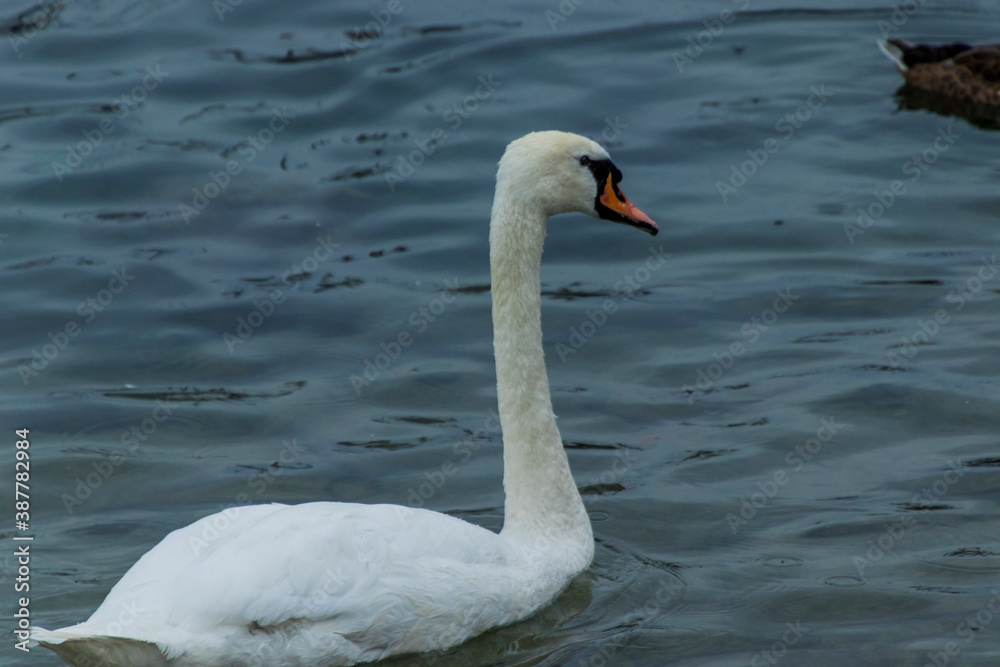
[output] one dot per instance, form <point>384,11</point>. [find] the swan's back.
<point>314,583</point>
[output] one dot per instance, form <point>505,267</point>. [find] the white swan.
<point>339,583</point>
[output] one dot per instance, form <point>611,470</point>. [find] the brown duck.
<point>960,71</point>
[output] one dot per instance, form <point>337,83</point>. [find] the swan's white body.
<point>324,584</point>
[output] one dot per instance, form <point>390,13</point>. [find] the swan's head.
<point>561,172</point>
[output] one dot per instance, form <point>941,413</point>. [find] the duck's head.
<point>561,172</point>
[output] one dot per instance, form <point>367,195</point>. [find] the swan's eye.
<point>585,160</point>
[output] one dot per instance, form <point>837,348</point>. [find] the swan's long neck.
<point>542,499</point>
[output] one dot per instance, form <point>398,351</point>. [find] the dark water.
<point>786,432</point>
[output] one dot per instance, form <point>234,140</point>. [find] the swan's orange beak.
<point>622,210</point>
